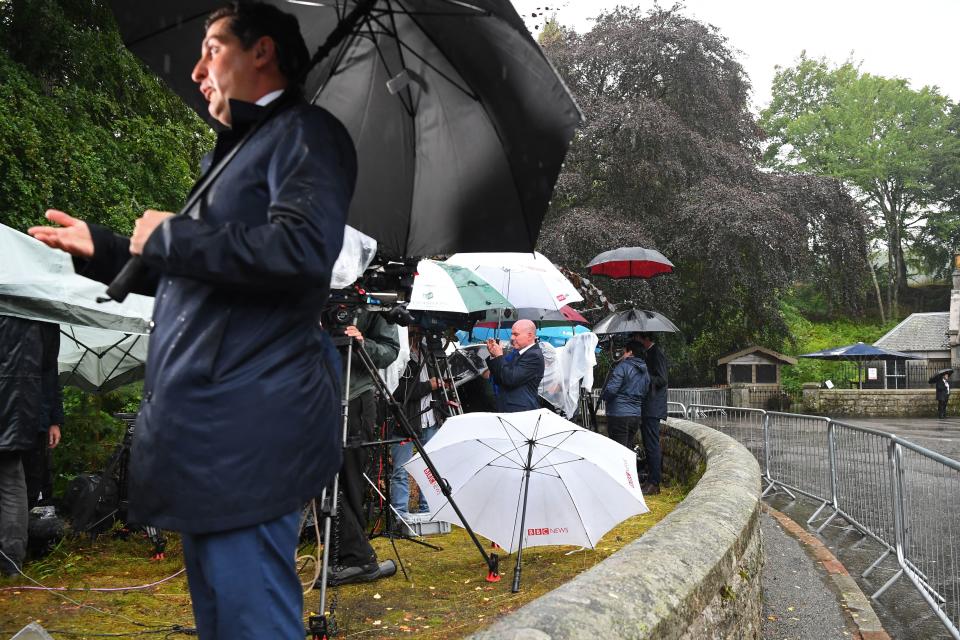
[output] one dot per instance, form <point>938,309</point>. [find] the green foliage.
<point>90,432</point>
<point>84,127</point>
<point>809,336</point>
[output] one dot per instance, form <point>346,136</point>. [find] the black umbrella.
<point>460,122</point>
<point>635,321</point>
<point>939,374</point>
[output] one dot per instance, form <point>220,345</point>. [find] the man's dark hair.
<point>250,21</point>
<point>635,347</point>
<point>645,335</point>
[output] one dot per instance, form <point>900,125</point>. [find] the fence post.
<point>893,456</point>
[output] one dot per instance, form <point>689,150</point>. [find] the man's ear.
<point>265,51</point>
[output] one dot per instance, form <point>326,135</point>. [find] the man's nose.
<point>199,72</point>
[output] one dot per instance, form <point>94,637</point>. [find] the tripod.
<point>319,625</point>
<point>120,460</point>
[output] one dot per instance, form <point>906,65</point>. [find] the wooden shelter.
<point>753,366</point>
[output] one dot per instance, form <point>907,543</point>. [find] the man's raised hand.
<point>72,236</point>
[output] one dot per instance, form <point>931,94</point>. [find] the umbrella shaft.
<point>523,516</point>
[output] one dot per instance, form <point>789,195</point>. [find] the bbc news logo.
<point>546,531</point>
<point>432,480</point>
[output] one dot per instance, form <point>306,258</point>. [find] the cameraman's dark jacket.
<point>239,422</point>
<point>381,341</point>
<point>410,392</point>
<point>627,388</point>
<point>656,404</point>
<point>30,399</point>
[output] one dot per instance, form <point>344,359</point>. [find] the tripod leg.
<point>491,560</point>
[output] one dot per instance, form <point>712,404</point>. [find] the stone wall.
<point>875,403</point>
<point>694,575</point>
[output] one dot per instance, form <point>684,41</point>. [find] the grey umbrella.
<point>459,120</point>
<point>635,321</point>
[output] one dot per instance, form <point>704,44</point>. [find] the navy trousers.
<point>650,433</point>
<point>243,582</point>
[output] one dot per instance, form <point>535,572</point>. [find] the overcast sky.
<point>912,39</point>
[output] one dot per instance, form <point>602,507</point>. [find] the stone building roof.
<point>918,332</point>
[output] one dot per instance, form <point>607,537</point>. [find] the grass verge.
<point>446,595</point>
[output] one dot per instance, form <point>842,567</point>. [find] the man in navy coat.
<point>239,424</point>
<point>517,375</point>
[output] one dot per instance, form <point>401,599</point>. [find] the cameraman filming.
<point>354,560</point>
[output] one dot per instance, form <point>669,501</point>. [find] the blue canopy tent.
<point>860,353</point>
<point>557,336</point>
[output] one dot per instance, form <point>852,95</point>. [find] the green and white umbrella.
<point>449,288</point>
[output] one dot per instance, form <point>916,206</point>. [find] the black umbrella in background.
<point>939,374</point>
<point>460,122</point>
<point>635,321</point>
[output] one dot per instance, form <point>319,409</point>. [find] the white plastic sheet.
<point>567,369</point>
<point>356,255</point>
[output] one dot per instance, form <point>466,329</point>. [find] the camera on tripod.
<point>384,287</point>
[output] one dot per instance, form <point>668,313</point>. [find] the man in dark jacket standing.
<point>654,410</point>
<point>24,366</point>
<point>943,395</point>
<point>239,426</point>
<point>354,560</point>
<point>36,462</point>
<point>517,375</point>
<point>624,395</point>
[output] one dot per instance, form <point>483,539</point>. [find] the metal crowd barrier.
<point>901,495</point>
<point>707,395</point>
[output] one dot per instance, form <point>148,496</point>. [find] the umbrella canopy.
<point>556,335</point>
<point>575,484</point>
<point>450,288</point>
<point>859,352</point>
<point>630,262</point>
<point>635,321</point>
<point>458,118</point>
<point>939,374</point>
<point>565,315</point>
<point>525,279</point>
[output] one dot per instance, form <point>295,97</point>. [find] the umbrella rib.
<point>576,508</point>
<point>500,454</point>
<point>429,37</point>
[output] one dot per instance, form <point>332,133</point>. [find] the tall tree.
<point>668,159</point>
<point>878,135</point>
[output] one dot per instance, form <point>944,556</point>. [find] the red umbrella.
<point>630,262</point>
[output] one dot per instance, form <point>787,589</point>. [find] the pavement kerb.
<point>689,576</point>
<point>863,620</point>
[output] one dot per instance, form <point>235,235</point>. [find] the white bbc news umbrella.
<point>530,479</point>
<point>525,279</point>
<point>450,288</point>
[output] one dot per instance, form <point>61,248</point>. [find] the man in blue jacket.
<point>654,410</point>
<point>624,395</point>
<point>517,375</point>
<point>239,424</point>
